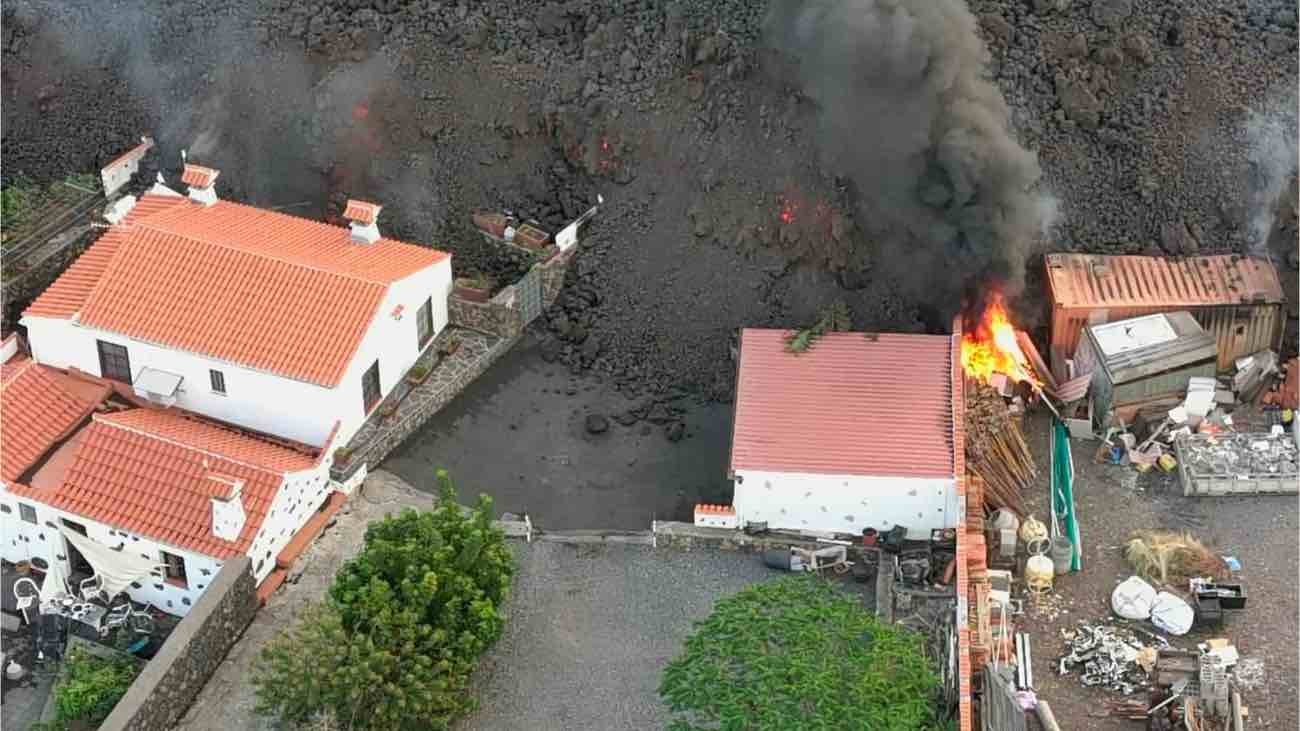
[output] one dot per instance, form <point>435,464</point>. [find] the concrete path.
<point>227,701</point>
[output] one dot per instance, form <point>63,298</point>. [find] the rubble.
<point>1106,655</point>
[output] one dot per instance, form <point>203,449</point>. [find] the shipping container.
<point>1142,359</point>
<point>1237,299</point>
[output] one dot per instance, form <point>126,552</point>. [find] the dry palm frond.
<point>1166,557</point>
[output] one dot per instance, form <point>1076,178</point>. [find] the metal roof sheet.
<point>1084,280</point>
<point>853,404</point>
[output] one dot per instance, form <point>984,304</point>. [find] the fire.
<point>360,112</point>
<point>788,208</point>
<point>990,346</point>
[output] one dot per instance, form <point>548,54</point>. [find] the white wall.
<point>392,341</point>
<point>259,400</point>
<point>844,503</point>
<point>296,501</point>
<point>254,399</point>
<point>23,541</point>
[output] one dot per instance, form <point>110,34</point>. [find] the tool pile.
<point>996,450</point>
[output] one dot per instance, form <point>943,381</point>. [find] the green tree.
<point>394,644</point>
<point>88,688</point>
<point>798,654</point>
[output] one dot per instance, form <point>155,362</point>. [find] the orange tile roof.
<point>259,288</point>
<point>39,407</point>
<point>151,472</point>
<point>362,212</point>
<point>199,176</point>
<point>849,405</point>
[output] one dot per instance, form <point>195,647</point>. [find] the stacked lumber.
<point>996,451</point>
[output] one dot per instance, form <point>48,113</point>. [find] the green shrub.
<point>395,642</point>
<point>798,653</point>
<point>88,687</point>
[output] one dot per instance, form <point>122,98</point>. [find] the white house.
<point>170,487</point>
<point>855,432</point>
<point>271,322</point>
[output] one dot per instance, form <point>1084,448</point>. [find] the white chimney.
<point>228,516</point>
<point>202,182</point>
<point>362,217</point>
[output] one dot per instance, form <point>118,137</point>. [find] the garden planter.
<point>473,291</point>
<point>531,237</point>
<point>493,224</point>
<point>415,377</point>
<point>448,347</point>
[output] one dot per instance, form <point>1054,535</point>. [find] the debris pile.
<point>1169,558</point>
<point>1241,454</point>
<point>996,450</point>
<point>1107,655</point>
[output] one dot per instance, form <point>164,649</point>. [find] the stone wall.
<point>688,536</point>
<point>173,678</point>
<point>502,315</point>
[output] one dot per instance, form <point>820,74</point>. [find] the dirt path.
<point>227,701</point>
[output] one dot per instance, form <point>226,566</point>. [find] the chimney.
<point>362,217</point>
<point>202,182</point>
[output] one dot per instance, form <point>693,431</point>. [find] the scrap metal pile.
<point>1108,656</point>
<point>996,450</point>
<point>1227,454</point>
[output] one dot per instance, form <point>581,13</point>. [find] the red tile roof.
<point>152,472</point>
<point>39,407</point>
<point>851,404</point>
<point>362,212</point>
<point>259,288</point>
<point>199,176</point>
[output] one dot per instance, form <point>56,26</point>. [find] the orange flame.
<point>991,347</point>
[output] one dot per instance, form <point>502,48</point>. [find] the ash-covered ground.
<point>757,163</point>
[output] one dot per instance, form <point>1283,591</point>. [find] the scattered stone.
<point>675,431</point>
<point>998,27</point>
<point>1139,49</point>
<point>597,424</point>
<point>1111,13</point>
<point>1079,103</point>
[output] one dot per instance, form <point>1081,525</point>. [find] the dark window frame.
<point>371,391</point>
<point>217,380</point>
<point>114,365</point>
<point>25,510</point>
<point>174,571</point>
<point>424,323</point>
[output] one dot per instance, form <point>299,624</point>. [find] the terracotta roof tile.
<point>260,288</point>
<point>199,176</point>
<point>39,407</point>
<point>850,405</point>
<point>362,212</point>
<point>151,472</point>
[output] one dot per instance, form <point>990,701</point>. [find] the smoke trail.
<point>1272,156</point>
<point>906,111</point>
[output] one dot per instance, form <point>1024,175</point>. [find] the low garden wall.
<point>503,315</point>
<point>170,682</point>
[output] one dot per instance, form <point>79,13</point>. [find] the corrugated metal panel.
<point>1086,288</point>
<point>853,404</point>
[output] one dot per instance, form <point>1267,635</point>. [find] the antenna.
<point>183,159</point>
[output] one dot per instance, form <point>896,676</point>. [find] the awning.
<point>158,386</point>
<point>55,583</point>
<point>116,569</point>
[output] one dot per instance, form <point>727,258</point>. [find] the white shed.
<point>856,432</point>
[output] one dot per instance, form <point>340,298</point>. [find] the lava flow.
<point>988,344</point>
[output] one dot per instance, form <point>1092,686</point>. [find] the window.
<point>114,362</point>
<point>175,568</point>
<point>370,387</point>
<point>424,323</point>
<point>27,512</point>
<point>218,381</point>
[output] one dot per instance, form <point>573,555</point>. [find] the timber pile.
<point>996,450</point>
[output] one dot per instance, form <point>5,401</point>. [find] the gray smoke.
<point>905,110</point>
<point>1272,157</point>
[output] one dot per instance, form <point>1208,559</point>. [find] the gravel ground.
<point>591,626</point>
<point>1259,530</point>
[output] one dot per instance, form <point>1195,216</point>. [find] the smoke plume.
<point>905,109</point>
<point>1272,158</point>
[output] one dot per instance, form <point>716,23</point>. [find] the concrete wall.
<point>845,503</point>
<point>24,541</point>
<point>256,399</point>
<point>173,678</point>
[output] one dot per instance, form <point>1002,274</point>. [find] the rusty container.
<point>1237,299</point>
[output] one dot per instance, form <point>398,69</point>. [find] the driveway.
<point>227,701</point>
<point>590,628</point>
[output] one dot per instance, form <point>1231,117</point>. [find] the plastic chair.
<point>91,589</point>
<point>28,595</point>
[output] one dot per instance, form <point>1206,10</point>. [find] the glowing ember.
<point>788,209</point>
<point>360,112</point>
<point>990,346</point>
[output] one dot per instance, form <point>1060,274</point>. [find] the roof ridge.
<point>256,253</point>
<point>23,367</point>
<point>106,419</point>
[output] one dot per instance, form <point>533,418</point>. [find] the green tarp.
<point>1063,516</point>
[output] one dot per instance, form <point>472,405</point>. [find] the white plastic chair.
<point>91,589</point>
<point>28,595</point>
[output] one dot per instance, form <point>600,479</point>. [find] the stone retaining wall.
<point>688,536</point>
<point>173,678</point>
<point>381,435</point>
<point>502,315</point>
